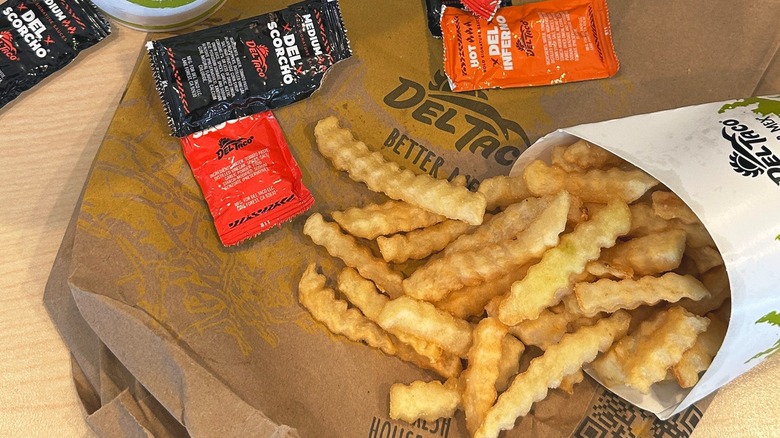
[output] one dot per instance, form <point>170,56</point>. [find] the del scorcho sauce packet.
<point>245,67</point>
<point>248,176</point>
<point>540,43</point>
<point>39,37</point>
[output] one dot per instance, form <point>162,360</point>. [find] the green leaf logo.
<point>772,318</point>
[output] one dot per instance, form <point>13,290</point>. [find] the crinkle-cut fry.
<point>421,243</point>
<point>582,155</point>
<point>423,320</point>
<point>471,300</point>
<point>501,190</point>
<point>362,293</point>
<point>644,221</point>
<point>649,255</point>
<point>481,374</point>
<point>384,219</point>
<point>568,382</point>
<point>592,186</point>
<point>380,175</point>
<point>511,352</point>
<point>604,269</point>
<point>447,365</point>
<point>503,226</point>
<point>655,354</point>
<point>324,307</point>
<point>546,281</point>
<point>347,248</point>
<point>704,257</point>
<point>547,371</point>
<point>428,401</point>
<point>610,295</point>
<point>668,206</point>
<point>717,282</point>
<point>439,277</point>
<point>699,357</point>
<point>546,330</point>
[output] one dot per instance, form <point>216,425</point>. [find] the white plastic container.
<point>158,15</point>
<point>723,159</point>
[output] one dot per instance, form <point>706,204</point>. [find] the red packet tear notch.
<point>248,176</point>
<point>541,43</point>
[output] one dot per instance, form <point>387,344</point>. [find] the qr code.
<point>613,417</point>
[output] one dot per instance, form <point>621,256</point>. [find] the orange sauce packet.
<point>542,43</point>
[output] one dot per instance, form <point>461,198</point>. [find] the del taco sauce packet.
<point>40,37</point>
<point>248,176</point>
<point>222,73</point>
<point>541,43</point>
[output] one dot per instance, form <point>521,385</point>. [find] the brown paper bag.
<point>173,334</point>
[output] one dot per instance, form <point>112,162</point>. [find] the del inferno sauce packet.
<point>542,43</point>
<point>245,67</point>
<point>39,37</point>
<point>248,176</point>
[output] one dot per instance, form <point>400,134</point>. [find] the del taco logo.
<point>752,154</point>
<point>465,120</point>
<point>7,47</point>
<point>228,145</point>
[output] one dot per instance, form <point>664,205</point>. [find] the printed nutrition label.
<point>558,37</point>
<point>221,69</point>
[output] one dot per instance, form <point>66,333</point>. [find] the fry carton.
<point>723,160</point>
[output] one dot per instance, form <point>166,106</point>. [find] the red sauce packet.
<point>248,176</point>
<point>541,43</point>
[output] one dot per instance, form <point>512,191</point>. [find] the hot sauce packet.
<point>543,43</point>
<point>225,72</point>
<point>40,37</point>
<point>434,11</point>
<point>248,176</point>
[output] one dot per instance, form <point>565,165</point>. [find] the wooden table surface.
<point>48,139</point>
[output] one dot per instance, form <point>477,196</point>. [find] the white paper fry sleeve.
<point>723,159</point>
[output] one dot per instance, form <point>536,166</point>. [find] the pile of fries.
<point>583,260</point>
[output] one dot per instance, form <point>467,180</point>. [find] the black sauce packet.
<point>434,12</point>
<point>237,69</point>
<point>39,37</point>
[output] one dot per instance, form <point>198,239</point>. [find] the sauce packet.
<point>225,72</point>
<point>434,12</point>
<point>40,37</point>
<point>248,176</point>
<point>542,43</point>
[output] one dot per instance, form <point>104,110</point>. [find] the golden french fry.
<point>347,248</point>
<point>582,155</point>
<point>668,206</point>
<point>511,352</point>
<point>420,243</point>
<point>545,282</point>
<point>424,400</point>
<point>593,186</point>
<point>704,257</point>
<point>423,320</point>
<point>324,307</point>
<point>505,225</point>
<point>481,374</point>
<point>648,255</point>
<point>699,357</point>
<point>471,300</point>
<point>604,269</point>
<point>437,278</point>
<point>380,175</point>
<point>384,219</point>
<point>362,293</point>
<point>717,282</point>
<point>609,295</point>
<point>547,371</point>
<point>643,358</point>
<point>547,329</point>
<point>644,221</point>
<point>501,190</point>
